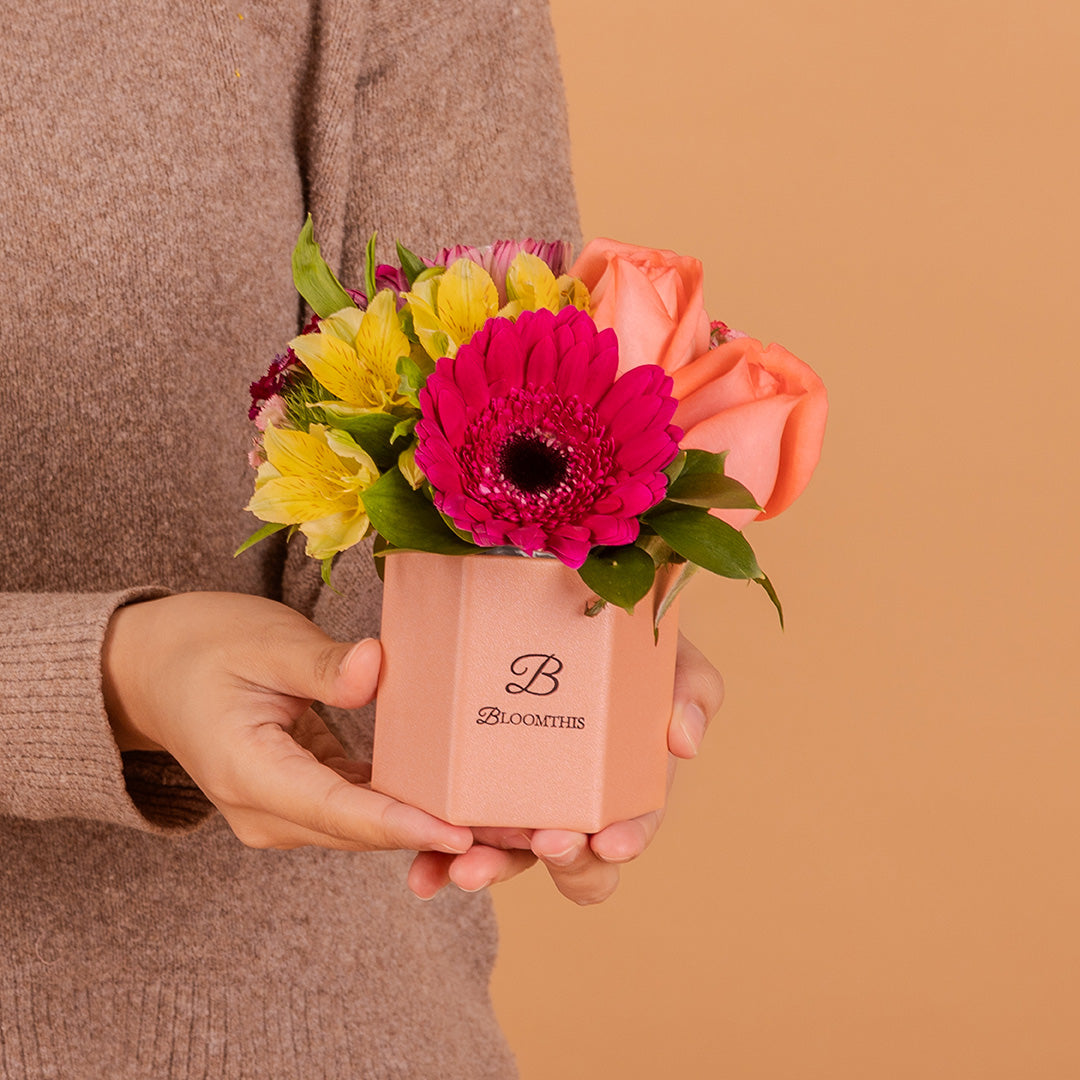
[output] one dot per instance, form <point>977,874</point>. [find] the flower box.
<point>502,703</point>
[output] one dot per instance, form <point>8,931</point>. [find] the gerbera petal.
<point>542,363</point>
<point>505,360</point>
<point>450,409</point>
<point>471,381</point>
<point>636,453</point>
<point>536,464</point>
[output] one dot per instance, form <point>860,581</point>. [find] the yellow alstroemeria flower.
<point>450,307</point>
<point>354,354</point>
<point>530,284</point>
<point>315,479</point>
<point>573,292</point>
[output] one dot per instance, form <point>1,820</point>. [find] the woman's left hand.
<point>585,868</point>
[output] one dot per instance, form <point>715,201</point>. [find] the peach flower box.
<point>502,703</point>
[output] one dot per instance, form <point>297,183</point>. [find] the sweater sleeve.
<point>58,757</point>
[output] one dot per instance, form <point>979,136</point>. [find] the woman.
<point>157,166</point>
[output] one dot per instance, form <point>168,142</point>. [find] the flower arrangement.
<point>502,399</point>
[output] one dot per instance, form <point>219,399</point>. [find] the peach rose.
<point>763,405</point>
<point>652,299</point>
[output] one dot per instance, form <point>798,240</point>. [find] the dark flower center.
<point>531,463</point>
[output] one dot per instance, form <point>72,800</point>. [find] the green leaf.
<point>412,265</point>
<point>405,519</point>
<point>676,467</point>
<point>685,574</point>
<point>460,533</point>
<point>374,432</point>
<point>621,575</point>
<point>658,550</point>
<point>369,268</point>
<point>706,540</point>
<point>380,547</point>
<point>327,564</point>
<point>314,280</point>
<point>412,377</point>
<point>257,535</point>
<point>704,461</point>
<point>767,585</point>
<point>712,489</point>
<point>404,428</point>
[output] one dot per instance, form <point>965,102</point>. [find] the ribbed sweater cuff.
<point>58,757</point>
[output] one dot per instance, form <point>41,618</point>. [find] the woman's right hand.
<point>225,682</point>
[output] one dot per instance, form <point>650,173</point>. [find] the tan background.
<point>871,871</point>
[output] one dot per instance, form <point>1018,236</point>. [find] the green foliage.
<point>406,519</point>
<point>676,467</point>
<point>412,265</point>
<point>706,540</point>
<point>767,585</point>
<point>413,372</point>
<point>257,535</point>
<point>620,575</point>
<point>314,280</point>
<point>369,268</point>
<point>327,565</point>
<point>712,490</point>
<point>375,433</point>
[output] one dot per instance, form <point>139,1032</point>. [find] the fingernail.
<point>478,887</point>
<point>452,849</point>
<point>563,858</point>
<point>692,723</point>
<point>347,659</point>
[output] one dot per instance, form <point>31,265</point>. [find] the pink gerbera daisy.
<point>529,440</point>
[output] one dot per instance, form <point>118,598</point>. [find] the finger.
<point>293,656</point>
<point>699,693</point>
<point>429,872</point>
<point>577,873</point>
<point>482,866</point>
<point>504,837</point>
<point>265,832</point>
<point>311,732</point>
<point>626,840</point>
<point>281,779</point>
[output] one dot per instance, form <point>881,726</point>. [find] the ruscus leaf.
<point>405,519</point>
<point>620,575</point>
<point>374,432</point>
<point>412,265</point>
<point>369,268</point>
<point>706,540</point>
<point>711,490</point>
<point>257,535</point>
<point>767,585</point>
<point>314,280</point>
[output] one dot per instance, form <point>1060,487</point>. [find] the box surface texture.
<point>501,703</point>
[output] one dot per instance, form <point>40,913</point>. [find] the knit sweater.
<point>158,159</point>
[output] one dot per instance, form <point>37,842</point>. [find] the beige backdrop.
<point>871,871</point>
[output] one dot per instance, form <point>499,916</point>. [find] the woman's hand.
<point>584,868</point>
<point>224,682</point>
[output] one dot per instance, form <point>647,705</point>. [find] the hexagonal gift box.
<point>502,703</point>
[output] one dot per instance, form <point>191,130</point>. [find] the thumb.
<point>312,665</point>
<point>357,675</point>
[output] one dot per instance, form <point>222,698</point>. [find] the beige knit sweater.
<point>156,161</point>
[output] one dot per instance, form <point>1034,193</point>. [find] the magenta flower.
<point>496,258</point>
<point>273,382</point>
<point>529,440</point>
